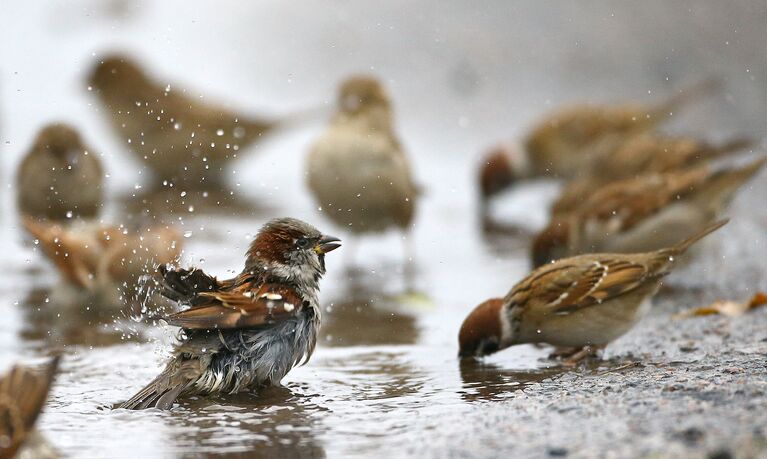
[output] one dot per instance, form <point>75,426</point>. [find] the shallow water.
<point>385,379</point>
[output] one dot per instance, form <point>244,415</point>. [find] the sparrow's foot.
<point>573,356</point>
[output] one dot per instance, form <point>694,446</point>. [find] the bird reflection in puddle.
<point>367,315</point>
<point>489,382</point>
<point>275,422</point>
<point>57,321</point>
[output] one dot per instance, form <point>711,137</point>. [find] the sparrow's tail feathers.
<point>722,186</point>
<point>686,96</point>
<point>255,128</point>
<point>161,393</point>
<point>682,247</point>
<point>733,146</point>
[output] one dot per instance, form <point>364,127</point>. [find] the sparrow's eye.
<point>302,242</point>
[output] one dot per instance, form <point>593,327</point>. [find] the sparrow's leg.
<point>408,267</point>
<point>582,354</point>
<point>560,352</point>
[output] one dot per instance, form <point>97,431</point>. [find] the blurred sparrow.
<point>563,142</point>
<point>23,392</point>
<point>357,170</point>
<point>642,214</point>
<point>60,177</point>
<point>584,302</point>
<point>248,331</point>
<point>642,155</point>
<point>180,137</point>
<point>104,261</point>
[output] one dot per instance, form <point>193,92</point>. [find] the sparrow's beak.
<point>327,244</point>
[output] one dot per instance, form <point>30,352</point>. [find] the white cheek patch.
<point>288,307</point>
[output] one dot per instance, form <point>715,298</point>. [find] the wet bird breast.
<point>248,359</point>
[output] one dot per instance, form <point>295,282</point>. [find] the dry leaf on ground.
<point>725,307</point>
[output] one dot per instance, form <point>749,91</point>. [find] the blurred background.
<point>462,75</point>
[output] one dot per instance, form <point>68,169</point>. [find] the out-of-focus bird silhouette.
<point>564,142</point>
<point>357,170</point>
<point>60,178</point>
<point>641,155</point>
<point>181,138</point>
<point>643,213</point>
<point>23,392</point>
<point>104,261</point>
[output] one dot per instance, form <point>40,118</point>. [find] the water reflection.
<point>274,423</point>
<point>54,320</point>
<point>483,381</point>
<point>364,315</point>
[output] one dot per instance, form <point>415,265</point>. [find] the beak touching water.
<point>327,244</point>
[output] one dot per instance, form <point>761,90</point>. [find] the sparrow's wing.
<point>568,285</point>
<point>185,285</point>
<point>241,307</point>
<point>23,392</point>
<point>622,205</point>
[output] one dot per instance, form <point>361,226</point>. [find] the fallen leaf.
<point>725,307</point>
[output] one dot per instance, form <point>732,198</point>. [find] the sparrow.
<point>104,261</point>
<point>182,139</point>
<point>23,392</point>
<point>357,170</point>
<point>562,142</point>
<point>583,302</point>
<point>60,177</point>
<point>249,331</point>
<point>643,213</point>
<point>643,154</point>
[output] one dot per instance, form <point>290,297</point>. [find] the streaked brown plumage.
<point>641,155</point>
<point>563,143</point>
<point>60,177</point>
<point>181,138</point>
<point>560,143</point>
<point>247,332</point>
<point>583,301</point>
<point>23,392</point>
<point>642,214</point>
<point>358,171</point>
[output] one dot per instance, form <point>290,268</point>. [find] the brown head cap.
<point>361,92</point>
<point>58,138</point>
<point>496,172</point>
<point>116,71</point>
<point>481,331</point>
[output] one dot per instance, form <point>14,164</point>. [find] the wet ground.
<point>385,380</point>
